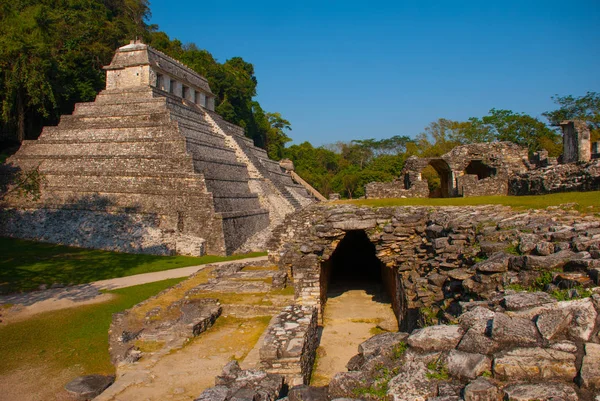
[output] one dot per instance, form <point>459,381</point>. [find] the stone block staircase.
<point>143,151</point>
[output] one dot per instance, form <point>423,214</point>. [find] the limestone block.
<point>343,384</point>
<point>381,344</point>
<point>535,364</point>
<point>496,263</point>
<point>482,390</point>
<point>436,338</point>
<point>524,300</point>
<point>553,322</point>
<point>477,342</point>
<point>544,248</point>
<point>478,319</point>
<point>540,392</point>
<point>518,331</point>
<point>218,393</point>
<point>467,365</point>
<point>412,384</point>
<point>590,367</point>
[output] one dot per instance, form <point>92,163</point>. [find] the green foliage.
<point>25,265</point>
<point>586,108</point>
<point>399,350</point>
<point>512,249</point>
<point>437,370</point>
<point>377,390</point>
<point>566,294</point>
<point>428,316</point>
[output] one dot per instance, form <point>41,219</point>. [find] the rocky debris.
<point>482,390</point>
<point>552,322</point>
<point>85,388</point>
<point>290,343</point>
<point>540,392</point>
<point>307,393</point>
<point>182,320</point>
<point>235,384</point>
<point>436,338</point>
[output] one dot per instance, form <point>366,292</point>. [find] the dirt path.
<point>350,317</point>
<point>185,373</point>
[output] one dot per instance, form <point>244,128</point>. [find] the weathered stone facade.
<point>436,259</point>
<point>501,168</point>
<point>149,167</point>
<point>468,170</point>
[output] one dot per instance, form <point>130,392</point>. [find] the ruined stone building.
<point>501,168</point>
<point>149,166</point>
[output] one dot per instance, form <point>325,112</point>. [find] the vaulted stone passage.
<point>354,265</point>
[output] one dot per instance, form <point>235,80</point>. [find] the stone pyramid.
<point>149,167</point>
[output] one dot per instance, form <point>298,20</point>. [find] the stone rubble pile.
<point>525,347</point>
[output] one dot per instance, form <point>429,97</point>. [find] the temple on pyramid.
<point>150,167</point>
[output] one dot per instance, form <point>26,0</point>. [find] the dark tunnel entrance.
<point>354,266</point>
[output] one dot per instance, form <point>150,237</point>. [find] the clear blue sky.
<point>343,70</point>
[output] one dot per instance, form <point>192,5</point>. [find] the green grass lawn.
<point>70,337</point>
<point>588,202</point>
<point>25,265</point>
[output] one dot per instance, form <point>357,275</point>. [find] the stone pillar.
<point>576,141</point>
<point>177,87</point>
<point>201,99</point>
<point>210,103</point>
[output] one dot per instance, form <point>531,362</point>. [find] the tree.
<point>586,108</point>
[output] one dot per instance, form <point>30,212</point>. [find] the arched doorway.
<point>356,302</point>
<point>439,178</point>
<point>480,169</point>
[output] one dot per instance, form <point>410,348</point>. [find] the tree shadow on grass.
<point>91,221</point>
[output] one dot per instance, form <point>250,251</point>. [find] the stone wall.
<point>289,346</point>
<point>469,170</point>
<point>438,257</point>
<point>558,178</point>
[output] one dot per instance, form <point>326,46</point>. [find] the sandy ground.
<point>185,373</point>
<point>349,317</point>
<point>28,383</point>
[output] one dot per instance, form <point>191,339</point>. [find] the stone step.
<point>235,203</point>
<point>220,171</point>
<point>125,184</point>
<point>115,134</point>
<point>224,188</point>
<point>125,165</point>
<point>147,202</point>
<point>198,150</point>
<point>136,93</point>
<point>130,149</point>
<point>148,119</point>
<point>204,135</point>
<point>120,109</point>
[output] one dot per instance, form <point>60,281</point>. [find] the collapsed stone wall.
<point>440,257</point>
<point>559,178</point>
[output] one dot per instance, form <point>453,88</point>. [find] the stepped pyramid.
<point>149,167</point>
